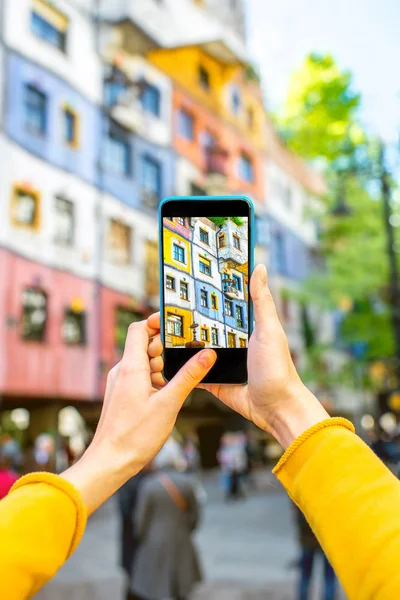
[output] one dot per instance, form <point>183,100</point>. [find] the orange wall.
<point>227,137</point>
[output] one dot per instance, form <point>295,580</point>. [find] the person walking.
<point>7,475</point>
<point>127,502</point>
<point>310,549</point>
<point>166,564</point>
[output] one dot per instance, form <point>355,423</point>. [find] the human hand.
<point>275,398</point>
<point>137,416</point>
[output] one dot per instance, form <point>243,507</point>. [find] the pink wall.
<point>50,368</point>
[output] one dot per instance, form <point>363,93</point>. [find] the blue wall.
<point>231,321</point>
<point>127,188</point>
<point>51,147</point>
<point>209,312</point>
<point>296,263</point>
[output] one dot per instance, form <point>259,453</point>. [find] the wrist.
<point>99,474</point>
<point>297,413</point>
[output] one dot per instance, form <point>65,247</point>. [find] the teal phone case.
<point>161,258</point>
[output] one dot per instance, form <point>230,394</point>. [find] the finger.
<point>154,321</point>
<point>264,305</point>
<point>135,357</point>
<point>157,364</point>
<point>157,380</point>
<point>188,377</point>
<point>155,347</point>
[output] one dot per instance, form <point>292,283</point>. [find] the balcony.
<point>216,159</point>
<point>229,289</point>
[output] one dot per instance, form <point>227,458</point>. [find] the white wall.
<point>211,248</point>
<point>130,278</point>
<point>202,320</point>
<point>215,278</point>
<point>79,65</point>
<point>295,215</point>
<point>18,166</point>
<point>173,297</point>
<point>186,173</point>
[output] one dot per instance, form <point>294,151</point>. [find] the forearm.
<point>351,501</point>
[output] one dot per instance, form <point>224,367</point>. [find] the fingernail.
<point>207,358</point>
<point>263,274</point>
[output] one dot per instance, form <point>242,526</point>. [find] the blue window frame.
<point>70,126</point>
<point>205,267</point>
<point>151,99</point>
<point>113,90</point>
<point>237,282</point>
<point>150,173</point>
<point>47,31</point>
<point>179,253</point>
<point>186,124</point>
<point>246,169</point>
<point>204,298</point>
<point>117,151</point>
<point>35,106</point>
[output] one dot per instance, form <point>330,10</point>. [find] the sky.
<point>362,35</point>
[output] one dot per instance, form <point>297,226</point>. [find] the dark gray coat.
<point>166,564</point>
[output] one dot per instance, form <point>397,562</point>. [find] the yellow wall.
<point>169,236</point>
<point>187,322</point>
<point>182,65</point>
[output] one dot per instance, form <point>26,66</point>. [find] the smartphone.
<point>206,259</point>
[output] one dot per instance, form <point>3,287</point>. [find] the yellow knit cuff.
<point>333,422</point>
<point>68,489</point>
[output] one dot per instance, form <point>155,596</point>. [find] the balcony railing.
<point>230,291</point>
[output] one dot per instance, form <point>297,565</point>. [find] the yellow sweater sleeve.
<point>41,523</point>
<point>352,502</point>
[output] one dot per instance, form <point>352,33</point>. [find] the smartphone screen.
<point>205,253</point>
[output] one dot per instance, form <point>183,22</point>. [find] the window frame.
<point>239,321</point>
<point>58,240</point>
<point>178,260</point>
<point>151,87</point>
<point>231,335</point>
<point>43,332</point>
<point>207,263</point>
<point>182,323</point>
<point>230,304</point>
<point>205,330</point>
<point>237,282</point>
<point>44,16</point>
<point>215,330</point>
<point>179,221</point>
<point>74,142</point>
<point>185,118</point>
<point>129,230</point>
<point>204,78</point>
<point>68,311</point>
<point>214,301</point>
<point>28,105</point>
<point>149,162</point>
<point>186,287</point>
<point>235,239</point>
<point>246,168</point>
<point>36,196</point>
<point>118,135</point>
<point>170,278</point>
<point>206,234</point>
<point>242,345</point>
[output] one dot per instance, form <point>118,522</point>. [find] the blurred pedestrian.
<point>310,549</point>
<point>127,502</point>
<point>166,564</point>
<point>192,455</point>
<point>233,460</point>
<point>7,475</point>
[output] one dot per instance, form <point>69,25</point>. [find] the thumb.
<point>264,305</point>
<point>188,377</point>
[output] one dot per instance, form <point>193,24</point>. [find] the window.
<point>246,170</point>
<point>204,237</point>
<point>186,125</point>
<point>35,106</point>
<point>231,340</point>
<point>204,298</point>
<point>221,240</point>
<point>34,314</point>
<point>170,283</point>
<point>119,242</point>
<point>25,208</point>
<point>64,227</point>
<point>151,99</point>
<point>237,282</point>
<point>179,253</point>
<point>204,78</point>
<point>228,308</point>
<point>184,291</point>
<point>235,100</point>
<point>250,117</point>
<point>74,327</point>
<point>239,316</point>
<point>280,254</point>
<point>151,181</point>
<point>181,221</point>
<point>204,334</point>
<point>175,325</point>
<point>71,127</point>
<point>205,266</point>
<point>208,140</point>
<point>242,342</point>
<point>236,241</point>
<point>214,336</point>
<point>117,151</point>
<point>49,24</point>
<point>214,301</point>
<point>115,86</point>
<point>124,317</point>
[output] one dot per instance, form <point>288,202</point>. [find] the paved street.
<point>245,548</point>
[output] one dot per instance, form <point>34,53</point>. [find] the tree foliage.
<point>219,221</point>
